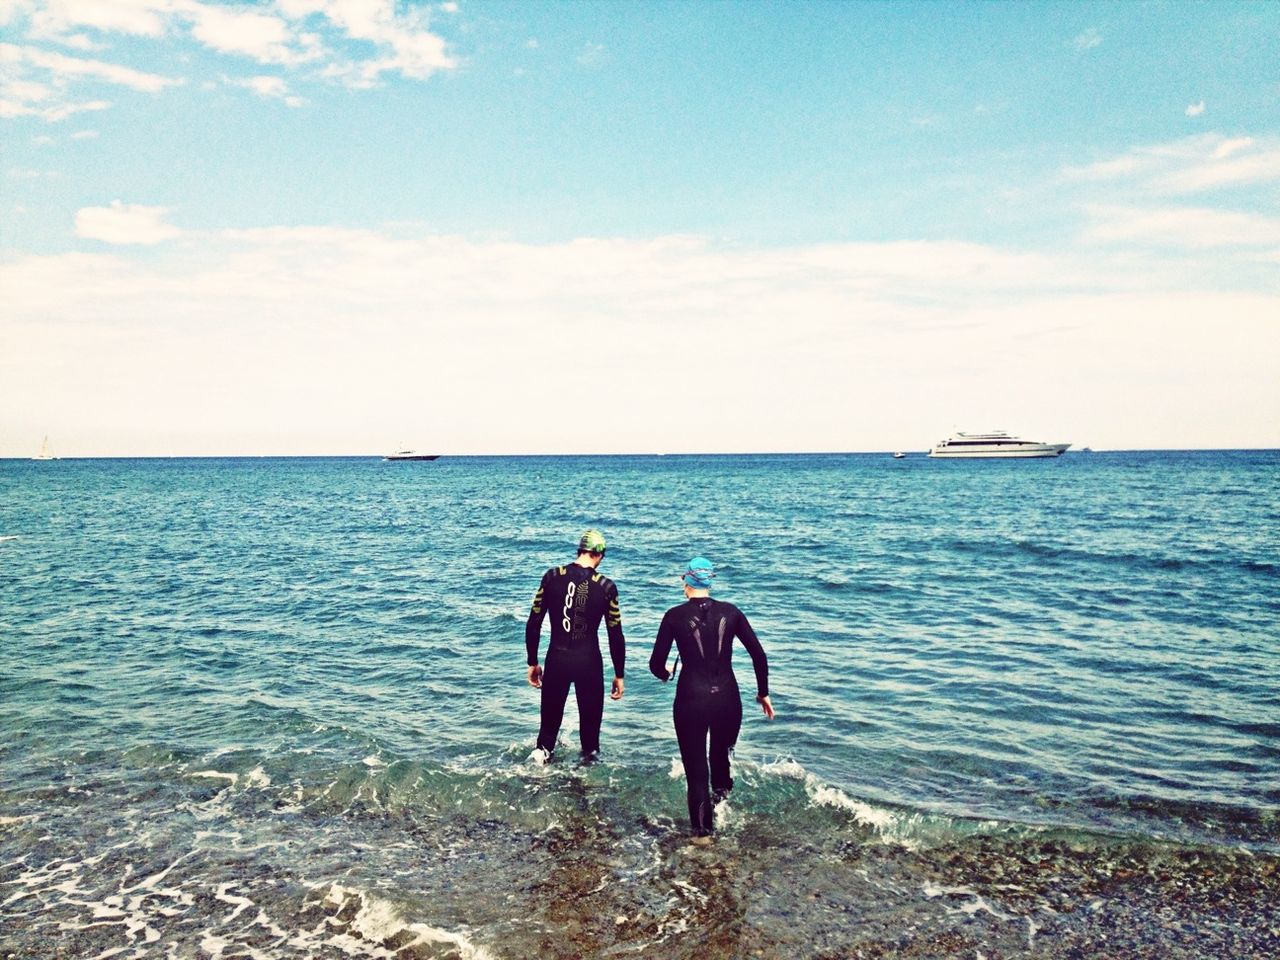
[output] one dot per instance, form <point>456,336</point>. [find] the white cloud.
<point>123,223</point>
<point>354,41</point>
<point>262,37</point>
<point>269,87</point>
<point>55,19</point>
<point>84,135</point>
<point>1227,147</point>
<point>263,86</point>
<point>1195,109</point>
<point>24,91</point>
<point>62,67</point>
<point>59,113</point>
<point>1255,166</point>
<point>1191,165</point>
<point>275,316</point>
<point>449,7</point>
<point>35,82</point>
<point>416,55</point>
<point>79,41</point>
<point>592,54</point>
<point>1088,39</point>
<point>1113,169</point>
<point>10,109</point>
<point>10,9</point>
<point>403,42</point>
<point>1191,227</point>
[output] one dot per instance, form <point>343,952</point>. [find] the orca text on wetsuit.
<point>707,698</point>
<point>577,599</point>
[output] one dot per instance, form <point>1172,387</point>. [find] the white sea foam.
<point>970,907</point>
<point>150,882</point>
<point>377,920</point>
<point>887,825</point>
<point>12,536</point>
<point>677,768</point>
<point>213,945</point>
<point>240,903</point>
<point>729,817</point>
<point>689,892</point>
<point>785,768</point>
<point>864,813</point>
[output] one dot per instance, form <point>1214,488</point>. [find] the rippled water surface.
<point>277,708</point>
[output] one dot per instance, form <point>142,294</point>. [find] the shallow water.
<point>277,708</point>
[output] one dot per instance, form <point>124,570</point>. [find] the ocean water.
<point>277,708</point>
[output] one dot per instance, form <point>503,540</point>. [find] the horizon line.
<point>708,453</point>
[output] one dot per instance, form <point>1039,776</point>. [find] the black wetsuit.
<point>577,598</point>
<point>707,698</point>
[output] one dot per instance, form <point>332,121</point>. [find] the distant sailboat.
<point>44,453</point>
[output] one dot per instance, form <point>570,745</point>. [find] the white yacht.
<point>995,443</point>
<point>411,455</point>
<point>44,453</point>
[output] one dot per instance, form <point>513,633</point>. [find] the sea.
<point>278,708</point>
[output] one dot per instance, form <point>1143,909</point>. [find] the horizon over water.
<point>490,455</point>
<point>272,707</point>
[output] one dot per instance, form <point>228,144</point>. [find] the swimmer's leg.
<point>588,687</point>
<point>555,690</point>
<point>725,724</point>
<point>691,733</point>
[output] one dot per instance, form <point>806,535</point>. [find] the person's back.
<point>704,631</point>
<point>577,598</point>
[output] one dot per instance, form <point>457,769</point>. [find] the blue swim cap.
<point>700,574</point>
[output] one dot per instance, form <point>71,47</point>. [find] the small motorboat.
<point>411,455</point>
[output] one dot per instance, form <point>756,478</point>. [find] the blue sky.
<point>326,226</point>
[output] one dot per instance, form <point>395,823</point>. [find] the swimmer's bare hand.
<point>766,706</point>
<point>618,687</point>
<point>535,676</point>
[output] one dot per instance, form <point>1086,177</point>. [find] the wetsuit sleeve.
<point>533,626</point>
<point>613,624</point>
<point>758,660</point>
<point>661,648</point>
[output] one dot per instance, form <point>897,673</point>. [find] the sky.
<point>303,227</point>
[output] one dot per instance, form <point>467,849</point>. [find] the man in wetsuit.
<point>707,698</point>
<point>578,598</point>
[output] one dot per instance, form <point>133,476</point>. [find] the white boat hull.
<point>1007,452</point>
